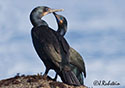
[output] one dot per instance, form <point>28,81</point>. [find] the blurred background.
<point>95,29</point>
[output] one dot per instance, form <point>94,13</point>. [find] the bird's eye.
<point>45,9</point>
<point>61,18</point>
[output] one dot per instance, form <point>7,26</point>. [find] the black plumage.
<point>51,47</point>
<point>76,61</point>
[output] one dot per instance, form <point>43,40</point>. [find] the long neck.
<point>62,24</point>
<point>61,31</point>
<point>36,20</point>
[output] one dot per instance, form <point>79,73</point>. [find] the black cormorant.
<point>76,61</point>
<point>51,47</point>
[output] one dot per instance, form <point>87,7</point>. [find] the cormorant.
<point>50,46</point>
<point>76,61</point>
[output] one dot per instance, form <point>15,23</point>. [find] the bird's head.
<point>40,11</point>
<point>62,23</point>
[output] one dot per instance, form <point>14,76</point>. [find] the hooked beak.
<point>55,10</point>
<point>51,11</point>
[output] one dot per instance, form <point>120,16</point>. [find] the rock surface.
<point>33,81</point>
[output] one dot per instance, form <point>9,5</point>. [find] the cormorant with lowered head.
<point>76,61</point>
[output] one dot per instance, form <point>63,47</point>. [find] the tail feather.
<point>78,74</point>
<point>80,78</point>
<point>70,78</point>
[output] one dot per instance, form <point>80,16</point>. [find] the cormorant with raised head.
<point>76,61</point>
<point>51,47</point>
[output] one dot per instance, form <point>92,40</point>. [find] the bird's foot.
<point>55,78</point>
<point>44,76</point>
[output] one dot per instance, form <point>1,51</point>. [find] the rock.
<point>33,81</point>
